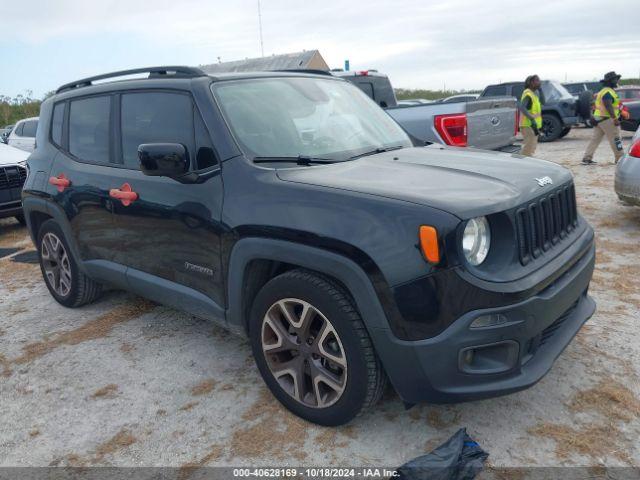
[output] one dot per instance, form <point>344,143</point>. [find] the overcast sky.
<point>419,43</point>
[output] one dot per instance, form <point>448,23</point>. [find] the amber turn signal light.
<point>429,244</point>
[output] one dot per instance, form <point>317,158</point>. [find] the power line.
<point>260,25</point>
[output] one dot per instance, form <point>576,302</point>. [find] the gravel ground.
<point>125,382</point>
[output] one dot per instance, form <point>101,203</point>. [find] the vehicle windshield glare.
<point>305,116</point>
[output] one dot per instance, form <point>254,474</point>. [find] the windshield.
<point>304,116</point>
<point>553,91</point>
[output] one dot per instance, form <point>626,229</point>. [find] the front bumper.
<point>508,358</point>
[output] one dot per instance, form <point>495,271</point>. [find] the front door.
<point>170,234</point>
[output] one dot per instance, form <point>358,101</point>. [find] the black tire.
<point>564,132</point>
<point>82,289</point>
<point>551,128</point>
<point>21,220</point>
<point>365,379</point>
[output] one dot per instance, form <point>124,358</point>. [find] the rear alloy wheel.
<point>55,264</point>
<point>66,283</point>
<point>312,348</point>
<point>304,353</point>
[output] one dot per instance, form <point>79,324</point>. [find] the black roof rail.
<point>313,71</point>
<point>154,72</point>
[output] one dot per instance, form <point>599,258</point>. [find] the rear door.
<point>82,173</point>
<point>169,236</point>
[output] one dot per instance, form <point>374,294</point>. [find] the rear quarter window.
<point>56,124</point>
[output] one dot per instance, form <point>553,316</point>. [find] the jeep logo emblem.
<point>542,181</point>
<point>495,120</point>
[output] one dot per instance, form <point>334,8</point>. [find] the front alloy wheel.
<point>304,353</point>
<point>312,348</point>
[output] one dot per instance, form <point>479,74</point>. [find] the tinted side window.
<point>156,117</point>
<point>56,123</point>
<point>495,91</point>
<point>89,129</point>
<point>29,129</point>
<point>517,90</point>
<point>18,130</point>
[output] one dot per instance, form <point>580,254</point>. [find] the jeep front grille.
<point>12,177</point>
<point>544,222</point>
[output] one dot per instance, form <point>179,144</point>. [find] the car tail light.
<point>452,128</point>
<point>635,149</point>
<point>363,73</point>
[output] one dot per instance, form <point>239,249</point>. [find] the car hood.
<point>466,182</point>
<point>10,155</point>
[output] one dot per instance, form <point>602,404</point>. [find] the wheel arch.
<point>254,261</point>
<point>37,211</point>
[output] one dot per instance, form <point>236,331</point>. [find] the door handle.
<point>124,194</point>
<point>61,182</point>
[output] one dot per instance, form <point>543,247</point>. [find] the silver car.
<point>627,183</point>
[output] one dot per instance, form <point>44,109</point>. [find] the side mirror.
<point>163,159</point>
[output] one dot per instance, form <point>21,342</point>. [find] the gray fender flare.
<point>394,358</point>
<point>323,261</point>
<point>33,204</point>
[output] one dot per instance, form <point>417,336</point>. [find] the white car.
<point>23,136</point>
<point>13,173</point>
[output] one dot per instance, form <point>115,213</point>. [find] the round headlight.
<point>476,240</point>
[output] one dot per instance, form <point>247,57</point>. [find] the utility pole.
<point>260,25</point>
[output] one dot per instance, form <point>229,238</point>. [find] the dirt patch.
<point>98,328</point>
<point>188,469</point>
<point>272,432</point>
<point>329,439</point>
<point>18,275</point>
<point>188,406</point>
<point>204,387</point>
<point>609,398</point>
<point>119,441</point>
<point>5,365</point>
<point>108,391</point>
<point>13,236</point>
<point>594,441</point>
<point>34,433</point>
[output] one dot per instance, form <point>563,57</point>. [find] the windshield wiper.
<point>300,160</point>
<point>377,150</point>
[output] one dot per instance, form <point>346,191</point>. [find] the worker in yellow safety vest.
<point>530,115</point>
<point>606,119</point>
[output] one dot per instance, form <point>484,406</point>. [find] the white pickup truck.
<point>487,123</point>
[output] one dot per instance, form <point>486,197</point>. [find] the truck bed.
<point>490,122</point>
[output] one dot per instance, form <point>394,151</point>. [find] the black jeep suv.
<point>290,208</point>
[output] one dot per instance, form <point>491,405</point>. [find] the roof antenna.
<point>260,25</point>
